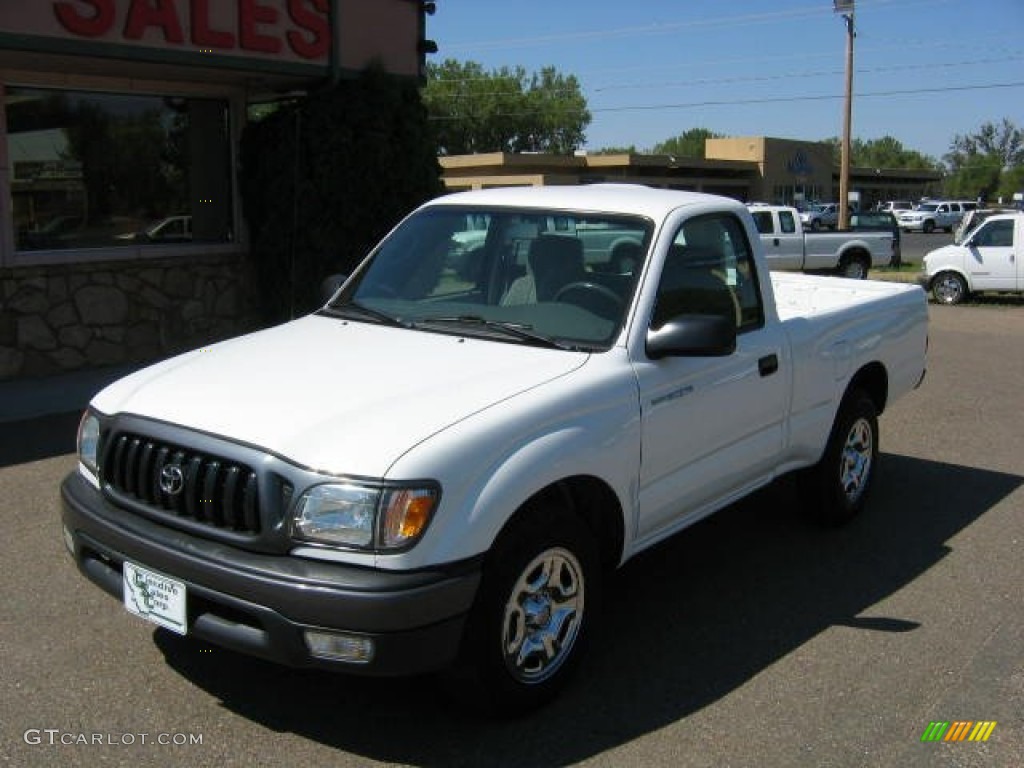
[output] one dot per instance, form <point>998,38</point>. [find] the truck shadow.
<point>684,625</point>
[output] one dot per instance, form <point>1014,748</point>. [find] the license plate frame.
<point>153,596</point>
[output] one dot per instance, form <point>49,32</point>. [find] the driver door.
<point>711,426</point>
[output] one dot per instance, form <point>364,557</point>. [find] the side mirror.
<point>693,336</point>
<point>330,286</point>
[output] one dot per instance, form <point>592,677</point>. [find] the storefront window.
<point>798,195</point>
<point>100,170</point>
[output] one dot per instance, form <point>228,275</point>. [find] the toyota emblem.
<point>172,480</point>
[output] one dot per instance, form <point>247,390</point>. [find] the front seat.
<point>553,262</point>
<point>556,261</point>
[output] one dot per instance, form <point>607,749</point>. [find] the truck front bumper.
<point>267,605</point>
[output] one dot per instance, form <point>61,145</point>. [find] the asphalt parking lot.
<point>750,640</point>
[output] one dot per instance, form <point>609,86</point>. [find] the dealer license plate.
<point>155,597</point>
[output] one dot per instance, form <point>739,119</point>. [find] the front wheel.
<point>835,489</point>
<point>538,598</point>
<point>949,288</point>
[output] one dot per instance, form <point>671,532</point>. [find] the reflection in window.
<point>95,170</point>
<point>995,234</point>
<point>709,270</point>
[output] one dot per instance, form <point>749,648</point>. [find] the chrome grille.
<point>201,487</point>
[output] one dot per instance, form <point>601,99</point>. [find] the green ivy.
<point>325,177</point>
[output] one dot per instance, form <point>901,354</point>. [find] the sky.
<point>924,70</point>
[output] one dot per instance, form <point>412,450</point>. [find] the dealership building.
<point>755,168</point>
<point>121,231</point>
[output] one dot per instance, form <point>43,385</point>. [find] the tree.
<point>885,152</point>
<point>630,150</point>
<point>1012,182</point>
<point>687,144</point>
<point>980,162</point>
<point>504,110</point>
<point>324,177</point>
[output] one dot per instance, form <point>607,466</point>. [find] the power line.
<point>750,102</point>
<point>823,97</point>
<point>1010,55</point>
<point>904,45</point>
<point>803,75</point>
<point>662,28</point>
<point>572,92</point>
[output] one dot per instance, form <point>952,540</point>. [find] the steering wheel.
<point>589,291</point>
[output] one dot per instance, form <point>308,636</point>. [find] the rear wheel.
<point>537,601</point>
<point>949,288</point>
<point>835,489</point>
<point>855,267</point>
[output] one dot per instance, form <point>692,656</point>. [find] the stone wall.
<point>66,317</point>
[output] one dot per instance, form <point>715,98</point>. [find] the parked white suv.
<point>935,214</point>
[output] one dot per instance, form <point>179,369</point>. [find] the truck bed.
<point>799,295</point>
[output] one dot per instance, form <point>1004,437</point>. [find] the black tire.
<point>949,288</point>
<point>537,602</point>
<point>928,227</point>
<point>835,490</point>
<point>854,267</point>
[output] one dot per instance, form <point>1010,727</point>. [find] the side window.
<point>709,269</point>
<point>763,221</point>
<point>995,234</point>
<point>787,222</point>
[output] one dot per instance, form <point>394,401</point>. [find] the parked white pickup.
<point>438,468</point>
<point>788,246</point>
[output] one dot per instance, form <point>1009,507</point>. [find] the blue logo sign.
<point>800,165</point>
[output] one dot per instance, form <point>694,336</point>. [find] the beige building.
<point>752,168</point>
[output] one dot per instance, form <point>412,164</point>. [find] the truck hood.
<point>336,396</point>
<point>946,256</point>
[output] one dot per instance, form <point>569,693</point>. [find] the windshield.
<point>554,278</point>
<point>928,207</point>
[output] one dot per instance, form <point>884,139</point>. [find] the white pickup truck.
<point>788,246</point>
<point>435,471</point>
<point>990,258</point>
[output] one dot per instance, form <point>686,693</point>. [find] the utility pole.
<point>845,7</point>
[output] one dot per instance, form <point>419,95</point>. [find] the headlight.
<point>364,516</point>
<point>89,441</point>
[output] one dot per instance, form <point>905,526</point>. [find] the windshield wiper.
<point>366,313</point>
<point>520,331</point>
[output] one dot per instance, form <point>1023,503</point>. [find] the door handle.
<point>775,242</point>
<point>768,365</point>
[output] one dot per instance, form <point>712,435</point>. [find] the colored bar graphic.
<point>958,730</point>
<point>982,731</point>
